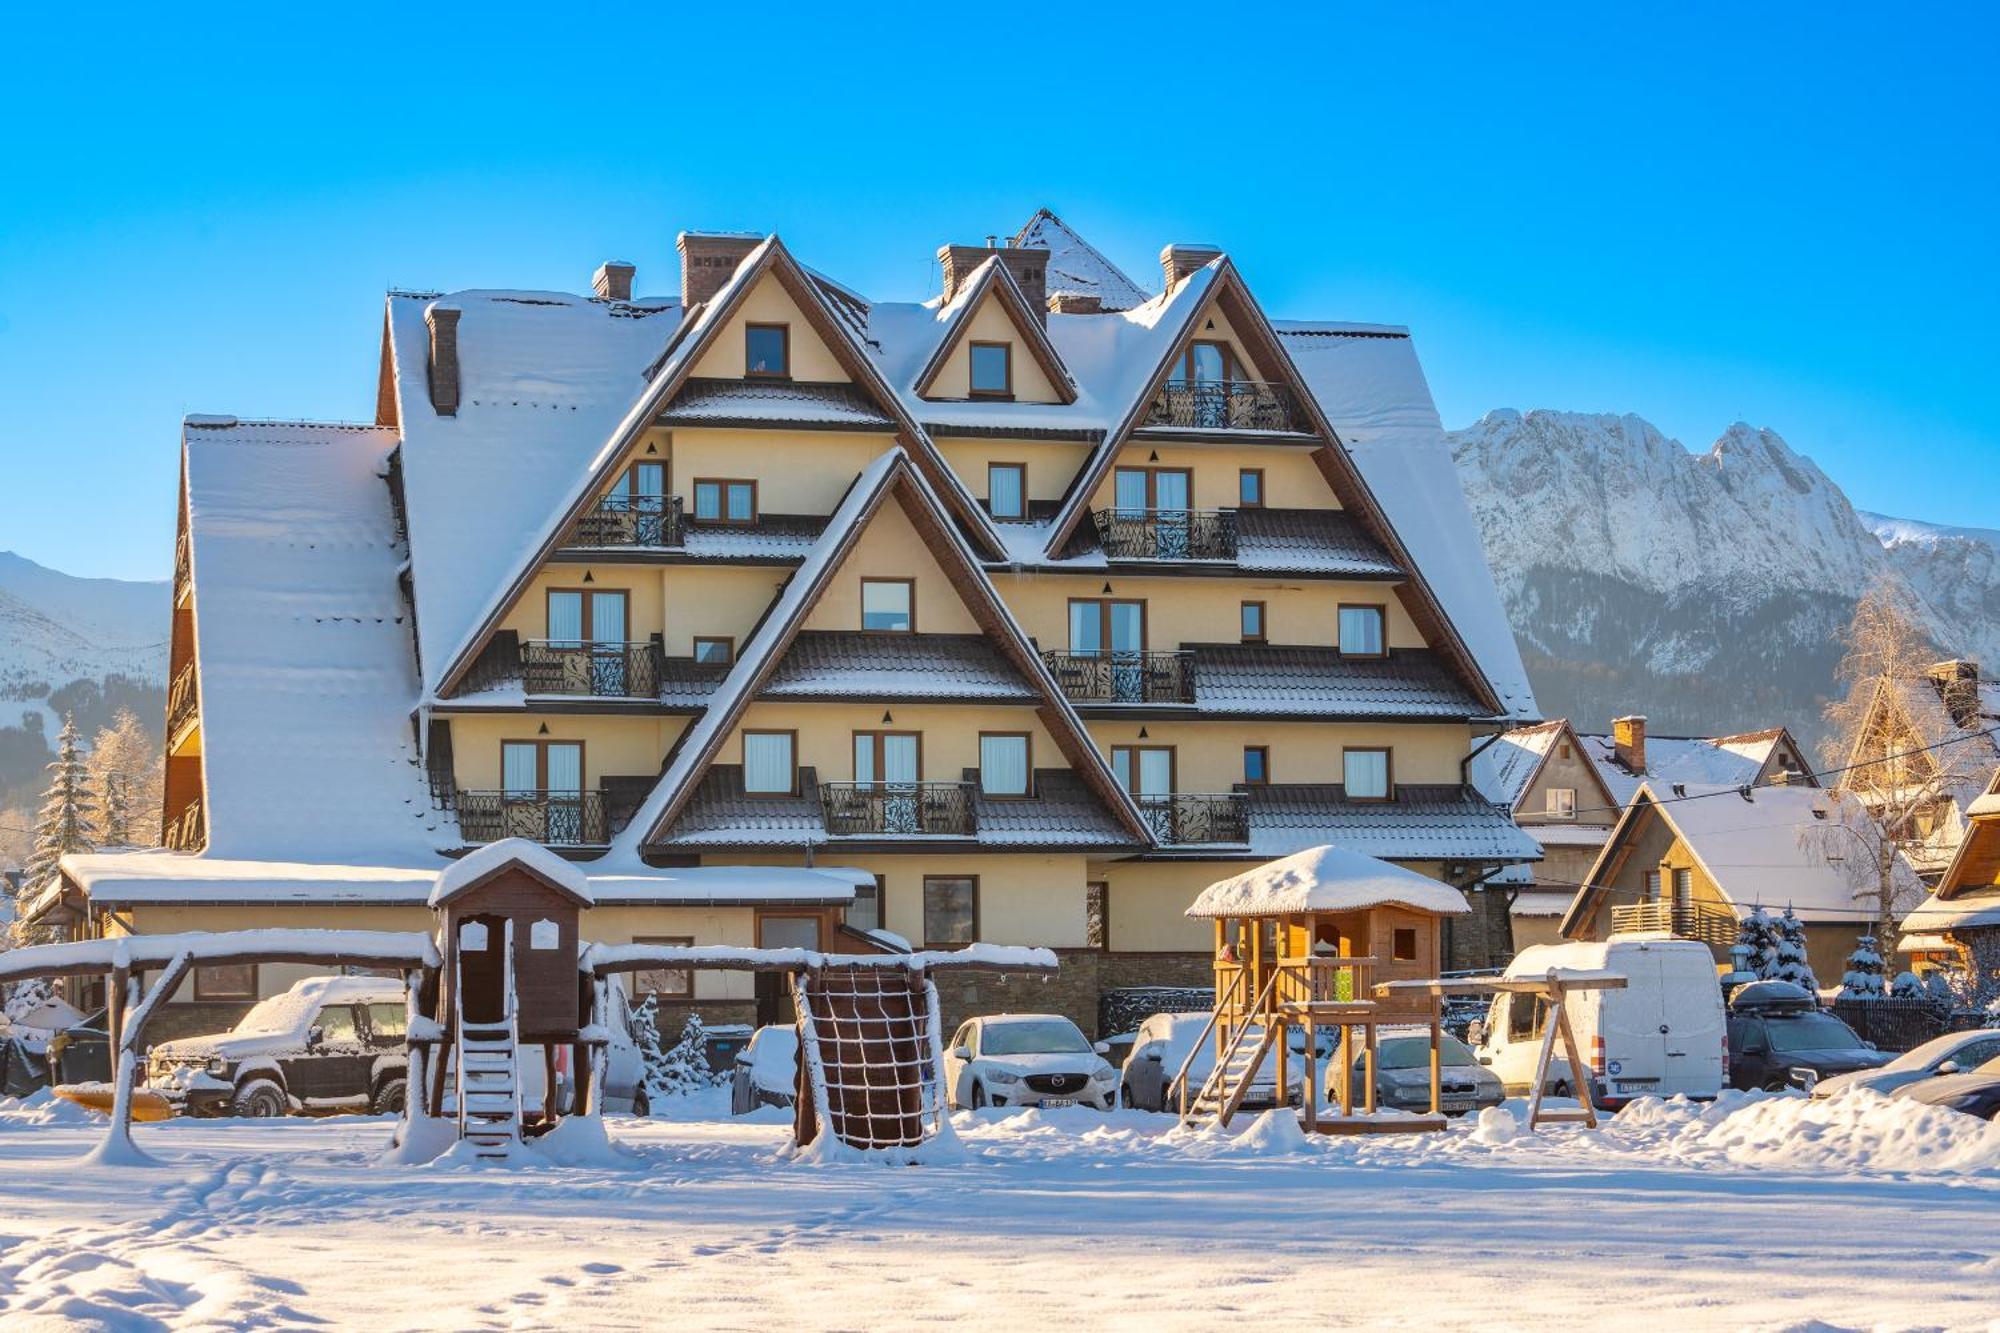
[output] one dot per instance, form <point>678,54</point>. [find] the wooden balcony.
<point>186,831</point>
<point>652,521</point>
<point>591,670</point>
<point>1711,926</point>
<point>1166,534</point>
<point>1217,817</point>
<point>552,818</point>
<point>897,809</point>
<point>183,705</point>
<point>183,569</point>
<point>1123,678</point>
<point>1248,405</point>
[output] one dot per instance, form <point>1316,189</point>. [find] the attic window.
<point>767,351</point>
<point>992,370</point>
<point>1361,631</point>
<point>1007,489</point>
<point>1562,802</point>
<point>887,605</point>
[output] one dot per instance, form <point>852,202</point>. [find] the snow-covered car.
<point>1403,1074</point>
<point>327,1044</point>
<point>766,1071</point>
<point>1975,1092</point>
<point>1162,1045</point>
<point>1026,1060</point>
<point>1953,1053</point>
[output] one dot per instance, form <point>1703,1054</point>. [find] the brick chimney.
<point>613,280</point>
<point>1958,686</point>
<point>442,318</point>
<point>1028,264</point>
<point>709,259</point>
<point>1177,261</point>
<point>1628,742</point>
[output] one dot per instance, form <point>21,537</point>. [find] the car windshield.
<point>1415,1053</point>
<point>1810,1032</point>
<point>280,1013</point>
<point>1033,1038</point>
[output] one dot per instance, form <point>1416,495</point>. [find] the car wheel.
<point>260,1098</point>
<point>979,1098</point>
<point>642,1105</point>
<point>1125,1098</point>
<point>389,1097</point>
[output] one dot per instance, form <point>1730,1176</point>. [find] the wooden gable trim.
<point>388,408</point>
<point>506,867</point>
<point>994,278</point>
<point>1564,731</point>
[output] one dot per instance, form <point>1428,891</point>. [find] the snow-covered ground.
<point>1762,1212</point>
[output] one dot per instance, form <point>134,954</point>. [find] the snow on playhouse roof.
<point>1325,879</point>
<point>481,864</point>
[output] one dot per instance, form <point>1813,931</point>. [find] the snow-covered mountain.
<point>1706,590</point>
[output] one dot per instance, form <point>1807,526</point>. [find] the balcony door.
<point>1170,488</point>
<point>891,763</point>
<point>587,629</point>
<point>642,493</point>
<point>1147,771</point>
<point>541,791</point>
<point>1207,369</point>
<point>1114,631</point>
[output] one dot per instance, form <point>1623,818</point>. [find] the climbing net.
<point>869,1035</point>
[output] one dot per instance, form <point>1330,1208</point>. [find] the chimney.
<point>1076,303</point>
<point>1029,266</point>
<point>1958,686</point>
<point>442,318</point>
<point>613,280</point>
<point>1177,261</point>
<point>709,259</point>
<point>1628,741</point>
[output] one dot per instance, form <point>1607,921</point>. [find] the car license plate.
<point>1059,1101</point>
<point>1454,1107</point>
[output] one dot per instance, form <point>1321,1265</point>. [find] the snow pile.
<point>43,1107</point>
<point>1863,1131</point>
<point>1325,879</point>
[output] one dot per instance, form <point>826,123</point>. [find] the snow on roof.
<point>1076,266</point>
<point>302,645</point>
<point>1325,879</point>
<point>483,862</point>
<point>1502,770</point>
<point>544,379</point>
<point>1541,903</point>
<point>1372,389</point>
<point>1730,761</point>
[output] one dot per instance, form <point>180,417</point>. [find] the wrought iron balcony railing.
<point>1166,534</point>
<point>631,520</point>
<point>1683,921</point>
<point>1123,678</point>
<point>186,831</point>
<point>1197,818</point>
<point>858,809</point>
<point>1226,405</point>
<point>183,701</point>
<point>598,670</point>
<point>553,818</point>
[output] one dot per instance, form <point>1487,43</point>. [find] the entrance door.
<point>1208,369</point>
<point>774,991</point>
<point>890,762</point>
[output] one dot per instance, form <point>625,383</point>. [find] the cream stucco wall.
<point>644,609</point>
<point>1050,464</point>
<point>892,548</point>
<point>1208,756</point>
<point>612,746</point>
<point>990,324</point>
<point>1182,610</point>
<point>1023,899</point>
<point>806,472</point>
<point>1291,479</point>
<point>769,303</point>
<point>950,734</point>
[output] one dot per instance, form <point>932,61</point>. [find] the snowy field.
<point>1766,1212</point>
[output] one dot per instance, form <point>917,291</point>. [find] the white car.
<point>1963,1052</point>
<point>1027,1060</point>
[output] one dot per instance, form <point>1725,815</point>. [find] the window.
<point>1252,622</point>
<point>1562,802</point>
<point>1361,631</point>
<point>587,615</point>
<point>1405,944</point>
<point>544,934</point>
<point>226,981</point>
<point>770,767</point>
<point>723,501</point>
<point>664,981</point>
<point>1144,770</point>
<point>1097,914</point>
<point>530,768</point>
<point>641,488</point>
<point>1652,886</point>
<point>889,605</point>
<point>1365,774</point>
<point>1170,488</point>
<point>1683,889</point>
<point>719,651</point>
<point>1250,488</point>
<point>767,350</point>
<point>1007,489</point>
<point>1003,763</point>
<point>993,370</point>
<point>951,909</point>
<point>1101,626</point>
<point>335,1023</point>
<point>1525,1016</point>
<point>1208,362</point>
<point>865,912</point>
<point>388,1022</point>
<point>1256,764</point>
<point>892,757</point>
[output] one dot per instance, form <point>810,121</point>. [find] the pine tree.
<point>1790,963</point>
<point>1759,933</point>
<point>1863,980</point>
<point>65,822</point>
<point>646,1036</point>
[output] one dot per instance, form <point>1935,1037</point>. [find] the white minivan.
<point>1665,1033</point>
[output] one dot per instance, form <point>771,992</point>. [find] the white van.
<point>1665,1033</point>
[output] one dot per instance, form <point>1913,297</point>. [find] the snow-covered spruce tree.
<point>1791,964</point>
<point>1864,977</point>
<point>646,1036</point>
<point>1759,933</point>
<point>66,820</point>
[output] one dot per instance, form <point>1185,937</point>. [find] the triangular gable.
<point>1077,266</point>
<point>697,334</point>
<point>993,281</point>
<point>1562,731</point>
<point>1225,287</point>
<point>891,475</point>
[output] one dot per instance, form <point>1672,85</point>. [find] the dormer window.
<point>992,370</point>
<point>767,351</point>
<point>725,501</point>
<point>1007,489</point>
<point>1362,631</point>
<point>888,605</point>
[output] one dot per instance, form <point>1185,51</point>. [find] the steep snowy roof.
<point>1325,879</point>
<point>1423,823</point>
<point>1730,761</point>
<point>1372,389</point>
<point>1502,770</point>
<point>1076,266</point>
<point>302,645</point>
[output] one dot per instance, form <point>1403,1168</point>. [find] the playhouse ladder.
<point>1222,1092</point>
<point>489,1070</point>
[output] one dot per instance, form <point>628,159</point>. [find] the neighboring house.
<point>1963,915</point>
<point>1697,861</point>
<point>1033,610</point>
<point>1544,775</point>
<point>1627,757</point>
<point>1927,744</point>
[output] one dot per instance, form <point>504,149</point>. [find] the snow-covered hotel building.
<point>1020,615</point>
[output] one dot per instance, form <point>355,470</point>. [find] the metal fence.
<point>1902,1025</point>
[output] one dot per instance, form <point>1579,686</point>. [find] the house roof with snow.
<point>1748,759</point>
<point>1076,267</point>
<point>1968,895</point>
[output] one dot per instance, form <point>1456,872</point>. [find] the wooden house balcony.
<point>183,712</point>
<point>897,809</point>
<point>186,831</point>
<point>183,569</point>
<point>1197,818</point>
<point>1123,678</point>
<point>1226,405</point>
<point>647,521</point>
<point>1685,921</point>
<point>1166,534</point>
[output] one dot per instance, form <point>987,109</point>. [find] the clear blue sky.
<point>1784,214</point>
